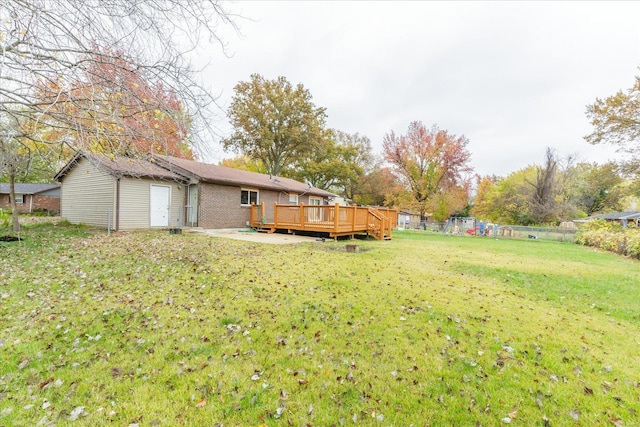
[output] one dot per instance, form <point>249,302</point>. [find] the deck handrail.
<point>333,219</point>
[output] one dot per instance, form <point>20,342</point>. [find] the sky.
<point>513,77</point>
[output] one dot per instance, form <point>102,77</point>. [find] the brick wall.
<point>40,202</point>
<point>220,205</point>
<point>51,204</point>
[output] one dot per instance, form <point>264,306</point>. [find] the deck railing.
<point>336,220</point>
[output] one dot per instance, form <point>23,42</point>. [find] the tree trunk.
<point>12,198</point>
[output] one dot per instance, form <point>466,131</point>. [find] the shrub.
<point>610,237</point>
<point>5,218</point>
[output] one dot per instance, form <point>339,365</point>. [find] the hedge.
<point>610,237</point>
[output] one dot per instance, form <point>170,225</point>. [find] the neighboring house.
<point>623,218</point>
<point>171,192</point>
<point>221,197</point>
<point>120,193</point>
<point>408,219</point>
<point>32,197</point>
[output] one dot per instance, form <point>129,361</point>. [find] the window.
<point>293,199</point>
<point>19,198</point>
<point>248,197</point>
<point>315,214</point>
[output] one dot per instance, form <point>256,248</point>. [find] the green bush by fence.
<point>610,237</point>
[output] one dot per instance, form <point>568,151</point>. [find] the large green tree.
<point>274,122</point>
<point>507,201</point>
<point>599,188</point>
<point>337,163</point>
<point>433,165</point>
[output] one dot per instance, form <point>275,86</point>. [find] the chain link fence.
<point>561,234</point>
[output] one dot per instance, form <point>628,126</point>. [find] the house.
<point>170,192</point>
<point>32,197</point>
<point>622,218</point>
<point>120,193</point>
<point>408,219</point>
<point>221,197</point>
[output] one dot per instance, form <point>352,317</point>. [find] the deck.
<point>333,220</point>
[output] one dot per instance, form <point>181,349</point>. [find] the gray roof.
<point>174,168</point>
<point>230,176</point>
<point>122,166</point>
<point>616,215</point>
<point>28,188</point>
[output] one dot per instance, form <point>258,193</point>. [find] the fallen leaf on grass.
<point>201,404</point>
<point>77,412</point>
<point>46,382</point>
<point>575,414</point>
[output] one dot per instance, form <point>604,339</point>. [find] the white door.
<point>160,201</point>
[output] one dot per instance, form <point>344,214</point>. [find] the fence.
<point>561,234</point>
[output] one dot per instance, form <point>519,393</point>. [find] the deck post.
<point>302,215</point>
<point>353,218</point>
<point>336,217</point>
<point>262,217</point>
<point>275,214</point>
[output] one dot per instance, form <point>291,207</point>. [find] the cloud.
<point>514,77</point>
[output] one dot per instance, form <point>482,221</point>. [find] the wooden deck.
<point>334,220</point>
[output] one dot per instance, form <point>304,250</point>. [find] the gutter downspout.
<point>117,213</point>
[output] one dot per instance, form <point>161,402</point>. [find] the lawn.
<point>154,329</point>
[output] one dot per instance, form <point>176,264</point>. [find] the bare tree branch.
<point>62,45</point>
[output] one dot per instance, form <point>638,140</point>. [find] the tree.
<point>52,53</point>
<point>274,122</point>
<point>362,164</point>
<point>508,200</point>
<point>243,162</point>
<point>21,158</point>
<point>599,188</point>
<point>375,187</point>
<point>481,203</point>
<point>432,164</point>
<point>13,162</point>
<point>126,115</point>
<point>545,189</point>
<point>616,121</point>
<point>336,163</point>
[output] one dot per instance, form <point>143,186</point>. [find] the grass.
<point>155,329</point>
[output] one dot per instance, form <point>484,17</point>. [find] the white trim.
<point>249,191</point>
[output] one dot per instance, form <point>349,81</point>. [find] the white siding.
<point>87,195</point>
<point>135,199</point>
<point>176,215</point>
